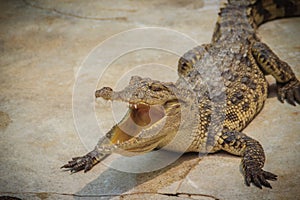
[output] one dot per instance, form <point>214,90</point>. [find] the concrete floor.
<point>45,48</point>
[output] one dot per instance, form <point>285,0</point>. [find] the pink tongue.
<point>156,113</point>
<point>147,115</point>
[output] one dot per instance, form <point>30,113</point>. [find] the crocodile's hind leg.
<point>253,155</point>
<point>287,83</point>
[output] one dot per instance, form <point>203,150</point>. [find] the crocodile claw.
<point>81,163</point>
<point>289,91</point>
<point>259,177</point>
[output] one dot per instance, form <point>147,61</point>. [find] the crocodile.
<point>220,89</point>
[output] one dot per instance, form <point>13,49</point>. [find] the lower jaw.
<point>135,121</point>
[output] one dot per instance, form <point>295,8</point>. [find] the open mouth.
<point>139,116</point>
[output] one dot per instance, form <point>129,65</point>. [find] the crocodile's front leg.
<point>253,157</point>
<point>120,142</point>
<point>287,83</point>
<point>89,160</point>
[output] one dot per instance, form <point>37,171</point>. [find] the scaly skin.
<point>221,88</point>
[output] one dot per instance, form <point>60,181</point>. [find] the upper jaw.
<point>125,96</point>
<point>136,106</point>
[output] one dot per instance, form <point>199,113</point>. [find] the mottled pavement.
<point>43,44</point>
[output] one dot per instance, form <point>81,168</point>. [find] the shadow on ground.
<point>118,182</point>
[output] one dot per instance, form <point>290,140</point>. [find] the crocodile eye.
<point>155,87</point>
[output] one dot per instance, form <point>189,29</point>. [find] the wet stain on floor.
<point>4,120</point>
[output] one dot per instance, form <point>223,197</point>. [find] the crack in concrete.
<point>180,194</point>
<point>75,15</point>
<point>189,195</point>
<point>187,173</point>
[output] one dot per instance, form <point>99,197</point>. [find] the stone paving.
<point>44,43</point>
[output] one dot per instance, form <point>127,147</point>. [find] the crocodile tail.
<point>246,15</point>
<point>266,10</point>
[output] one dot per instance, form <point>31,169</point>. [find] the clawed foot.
<point>259,177</point>
<point>289,91</point>
<point>82,163</point>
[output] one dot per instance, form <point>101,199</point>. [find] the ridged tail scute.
<point>266,10</point>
